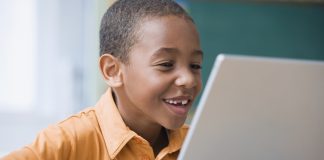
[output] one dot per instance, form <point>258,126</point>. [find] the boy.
<point>151,60</point>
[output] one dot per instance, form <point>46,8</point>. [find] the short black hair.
<point>119,25</point>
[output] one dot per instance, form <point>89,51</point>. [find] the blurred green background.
<point>271,29</point>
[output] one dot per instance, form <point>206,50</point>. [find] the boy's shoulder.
<point>77,137</point>
<point>85,119</point>
<point>76,128</point>
<point>83,116</point>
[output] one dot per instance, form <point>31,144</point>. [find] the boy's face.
<point>163,74</point>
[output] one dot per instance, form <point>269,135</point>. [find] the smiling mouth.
<point>179,106</point>
<point>177,102</point>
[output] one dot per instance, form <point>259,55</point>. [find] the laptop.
<point>255,108</point>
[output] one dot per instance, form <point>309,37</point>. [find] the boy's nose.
<point>186,79</point>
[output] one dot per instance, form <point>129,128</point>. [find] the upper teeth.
<point>183,102</point>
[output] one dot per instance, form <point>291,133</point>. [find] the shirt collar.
<point>115,132</point>
<point>176,138</point>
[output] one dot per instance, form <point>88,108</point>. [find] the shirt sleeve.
<point>22,154</point>
<point>52,143</point>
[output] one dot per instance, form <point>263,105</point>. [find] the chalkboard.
<point>290,30</point>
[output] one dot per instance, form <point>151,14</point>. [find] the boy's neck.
<point>150,132</point>
<point>154,133</point>
<point>161,142</point>
<point>158,139</point>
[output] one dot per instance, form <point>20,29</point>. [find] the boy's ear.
<point>110,69</point>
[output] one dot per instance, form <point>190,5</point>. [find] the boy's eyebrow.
<point>174,50</point>
<point>199,52</point>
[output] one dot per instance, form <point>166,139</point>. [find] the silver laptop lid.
<point>256,108</point>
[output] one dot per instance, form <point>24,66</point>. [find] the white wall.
<point>59,75</point>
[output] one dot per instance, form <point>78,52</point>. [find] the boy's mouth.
<point>177,102</point>
<point>179,105</point>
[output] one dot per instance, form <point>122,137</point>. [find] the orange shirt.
<point>97,133</point>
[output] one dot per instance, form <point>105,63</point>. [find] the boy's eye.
<point>195,66</point>
<point>167,64</point>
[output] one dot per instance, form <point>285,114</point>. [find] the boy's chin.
<point>175,124</point>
